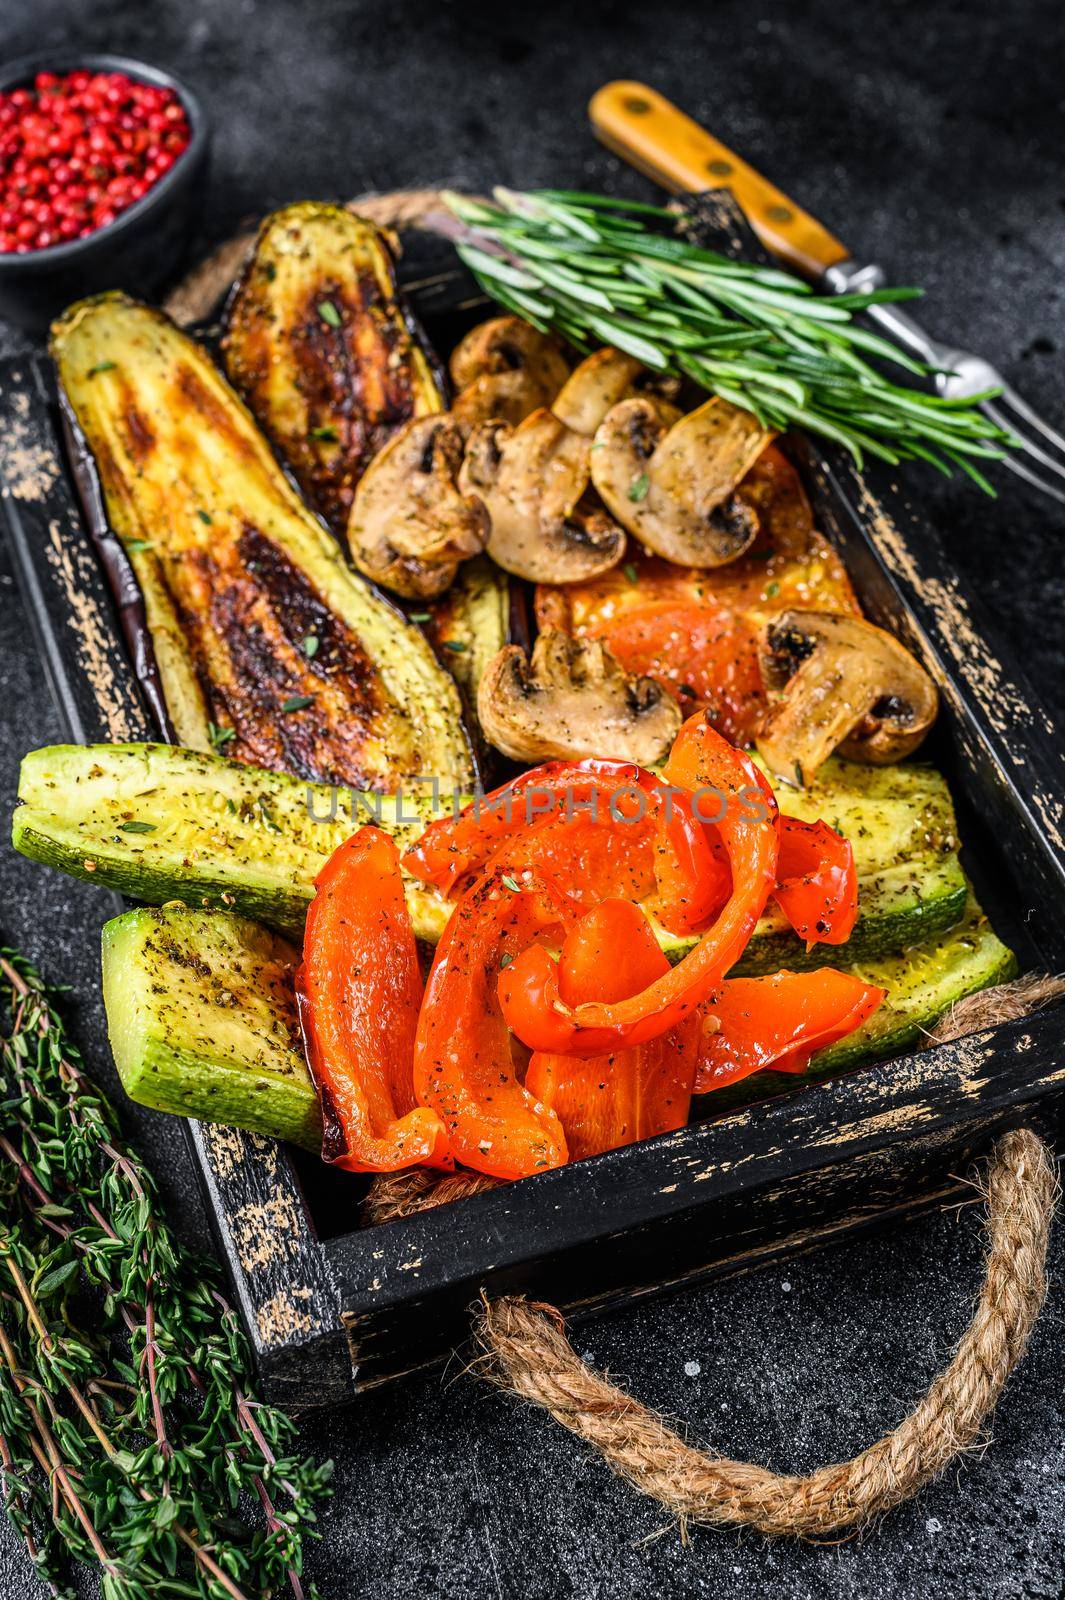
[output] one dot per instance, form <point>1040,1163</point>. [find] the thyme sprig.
<point>601,271</point>
<point>129,1437</point>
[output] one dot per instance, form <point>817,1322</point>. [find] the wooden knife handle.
<point>650,132</point>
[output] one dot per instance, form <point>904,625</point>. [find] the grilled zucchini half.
<point>324,351</point>
<point>201,1014</point>
<point>258,625</point>
<point>162,824</point>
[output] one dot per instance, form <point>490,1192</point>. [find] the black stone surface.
<point>929,136</point>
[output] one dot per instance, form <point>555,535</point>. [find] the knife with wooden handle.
<point>641,125</point>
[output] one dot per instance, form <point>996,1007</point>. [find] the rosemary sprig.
<point>129,1438</point>
<point>602,271</point>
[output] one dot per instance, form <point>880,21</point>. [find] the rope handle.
<point>524,1348</point>
<point>525,1351</point>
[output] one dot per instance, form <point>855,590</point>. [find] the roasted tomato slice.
<point>700,650</point>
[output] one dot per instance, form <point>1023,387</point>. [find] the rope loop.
<point>525,1351</point>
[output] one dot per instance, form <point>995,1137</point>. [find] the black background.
<point>930,137</point>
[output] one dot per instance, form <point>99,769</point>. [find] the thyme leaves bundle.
<point>602,271</point>
<point>129,1438</point>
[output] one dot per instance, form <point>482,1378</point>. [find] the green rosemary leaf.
<point>489,266</point>
<point>634,344</point>
<point>329,313</point>
<point>297,702</point>
<point>604,202</point>
<point>267,815</point>
<point>137,827</point>
<point>219,736</point>
<point>600,270</point>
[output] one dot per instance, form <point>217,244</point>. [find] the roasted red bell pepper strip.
<point>607,1101</point>
<point>584,862</point>
<point>693,878</point>
<point>452,848</point>
<point>719,778</point>
<point>778,1021</point>
<point>610,954</point>
<point>359,990</point>
<point>463,1062</point>
<point>817,885</point>
<point>669,851</point>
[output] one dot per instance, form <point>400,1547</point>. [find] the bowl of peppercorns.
<point>102,166</point>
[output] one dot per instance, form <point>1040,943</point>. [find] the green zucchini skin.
<point>907,904</point>
<point>202,1020</point>
<point>161,823</point>
<point>922,985</point>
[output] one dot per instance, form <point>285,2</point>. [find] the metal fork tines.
<point>1039,450</point>
<point>962,375</point>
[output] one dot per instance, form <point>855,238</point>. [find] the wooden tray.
<point>332,1308</point>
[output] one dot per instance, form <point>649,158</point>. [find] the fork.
<point>651,133</point>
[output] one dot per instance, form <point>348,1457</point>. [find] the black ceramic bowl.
<point>143,247</point>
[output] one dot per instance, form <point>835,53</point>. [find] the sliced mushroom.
<point>534,479</point>
<point>602,381</point>
<point>847,686</point>
<point>504,369</point>
<point>573,699</point>
<point>673,486</point>
<point>410,524</point>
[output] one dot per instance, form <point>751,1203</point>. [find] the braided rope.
<point>526,1352</point>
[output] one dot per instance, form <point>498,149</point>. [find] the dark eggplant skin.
<point>321,345</point>
<point>236,576</point>
<point>118,569</point>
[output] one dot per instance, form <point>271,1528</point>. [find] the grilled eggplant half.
<point>266,641</point>
<point>320,345</point>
